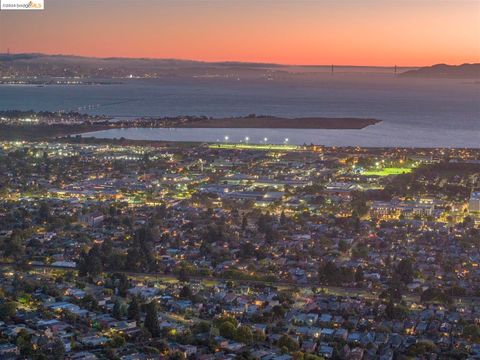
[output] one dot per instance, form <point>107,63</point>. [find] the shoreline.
<point>232,146</point>
<point>38,132</point>
<point>272,122</point>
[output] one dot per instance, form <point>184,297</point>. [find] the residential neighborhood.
<point>114,250</point>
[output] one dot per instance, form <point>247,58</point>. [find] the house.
<point>94,341</point>
<point>83,355</point>
<point>356,354</point>
<point>341,334</point>
<point>92,219</point>
<point>9,351</point>
<point>64,264</point>
<point>325,350</point>
<point>354,337</point>
<point>144,292</point>
<point>307,319</point>
<point>309,346</point>
<point>62,305</point>
<point>327,333</point>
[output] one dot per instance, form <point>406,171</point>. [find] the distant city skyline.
<point>368,33</point>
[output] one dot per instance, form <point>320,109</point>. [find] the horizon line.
<point>224,61</point>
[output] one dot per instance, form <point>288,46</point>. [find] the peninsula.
<point>31,125</point>
<point>464,71</point>
<point>272,122</point>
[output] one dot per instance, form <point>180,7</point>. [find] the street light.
<point>246,139</point>
<point>265,139</point>
<point>226,137</point>
<point>286,140</point>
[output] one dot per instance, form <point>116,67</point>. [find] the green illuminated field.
<point>387,171</point>
<point>254,147</point>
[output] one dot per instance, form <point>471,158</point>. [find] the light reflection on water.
<point>380,135</point>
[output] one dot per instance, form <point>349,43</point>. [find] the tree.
<point>437,295</point>
<point>151,319</point>
<point>343,246</point>
<point>422,347</point>
<point>312,357</point>
<point>82,264</point>
<point>117,341</point>
<point>134,259</point>
<point>44,212</point>
<point>247,250</point>
<point>186,292</point>
<point>244,222</point>
<point>227,330</point>
<point>117,310</point>
<point>278,312</point>
<point>95,266</point>
<point>184,273</point>
<point>91,263</point>
<point>106,252</point>
<point>270,235</point>
<point>24,344</point>
<point>328,272</point>
<point>393,292</point>
<point>405,271</point>
<point>214,234</point>
<point>13,246</point>
<point>244,355</point>
<point>122,284</point>
<point>177,355</point>
<point>133,311</point>
<point>259,336</point>
<point>356,224</point>
<point>472,332</point>
<point>89,302</point>
<point>58,350</point>
<point>360,252</point>
<point>395,312</point>
<point>140,254</point>
<point>201,327</point>
<point>359,274</point>
<point>289,343</point>
<point>359,204</point>
<point>244,334</point>
<point>7,310</point>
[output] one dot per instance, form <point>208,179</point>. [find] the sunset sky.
<point>355,32</point>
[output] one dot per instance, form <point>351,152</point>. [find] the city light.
<point>140,226</point>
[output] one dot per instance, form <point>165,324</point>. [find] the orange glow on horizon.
<point>342,32</point>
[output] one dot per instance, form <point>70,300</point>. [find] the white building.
<point>474,203</point>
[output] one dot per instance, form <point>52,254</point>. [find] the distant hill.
<point>78,66</point>
<point>68,66</point>
<point>464,71</point>
<point>115,61</point>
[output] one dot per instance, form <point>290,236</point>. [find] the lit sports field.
<point>255,147</point>
<point>387,171</point>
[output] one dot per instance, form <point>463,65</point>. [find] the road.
<point>333,290</point>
